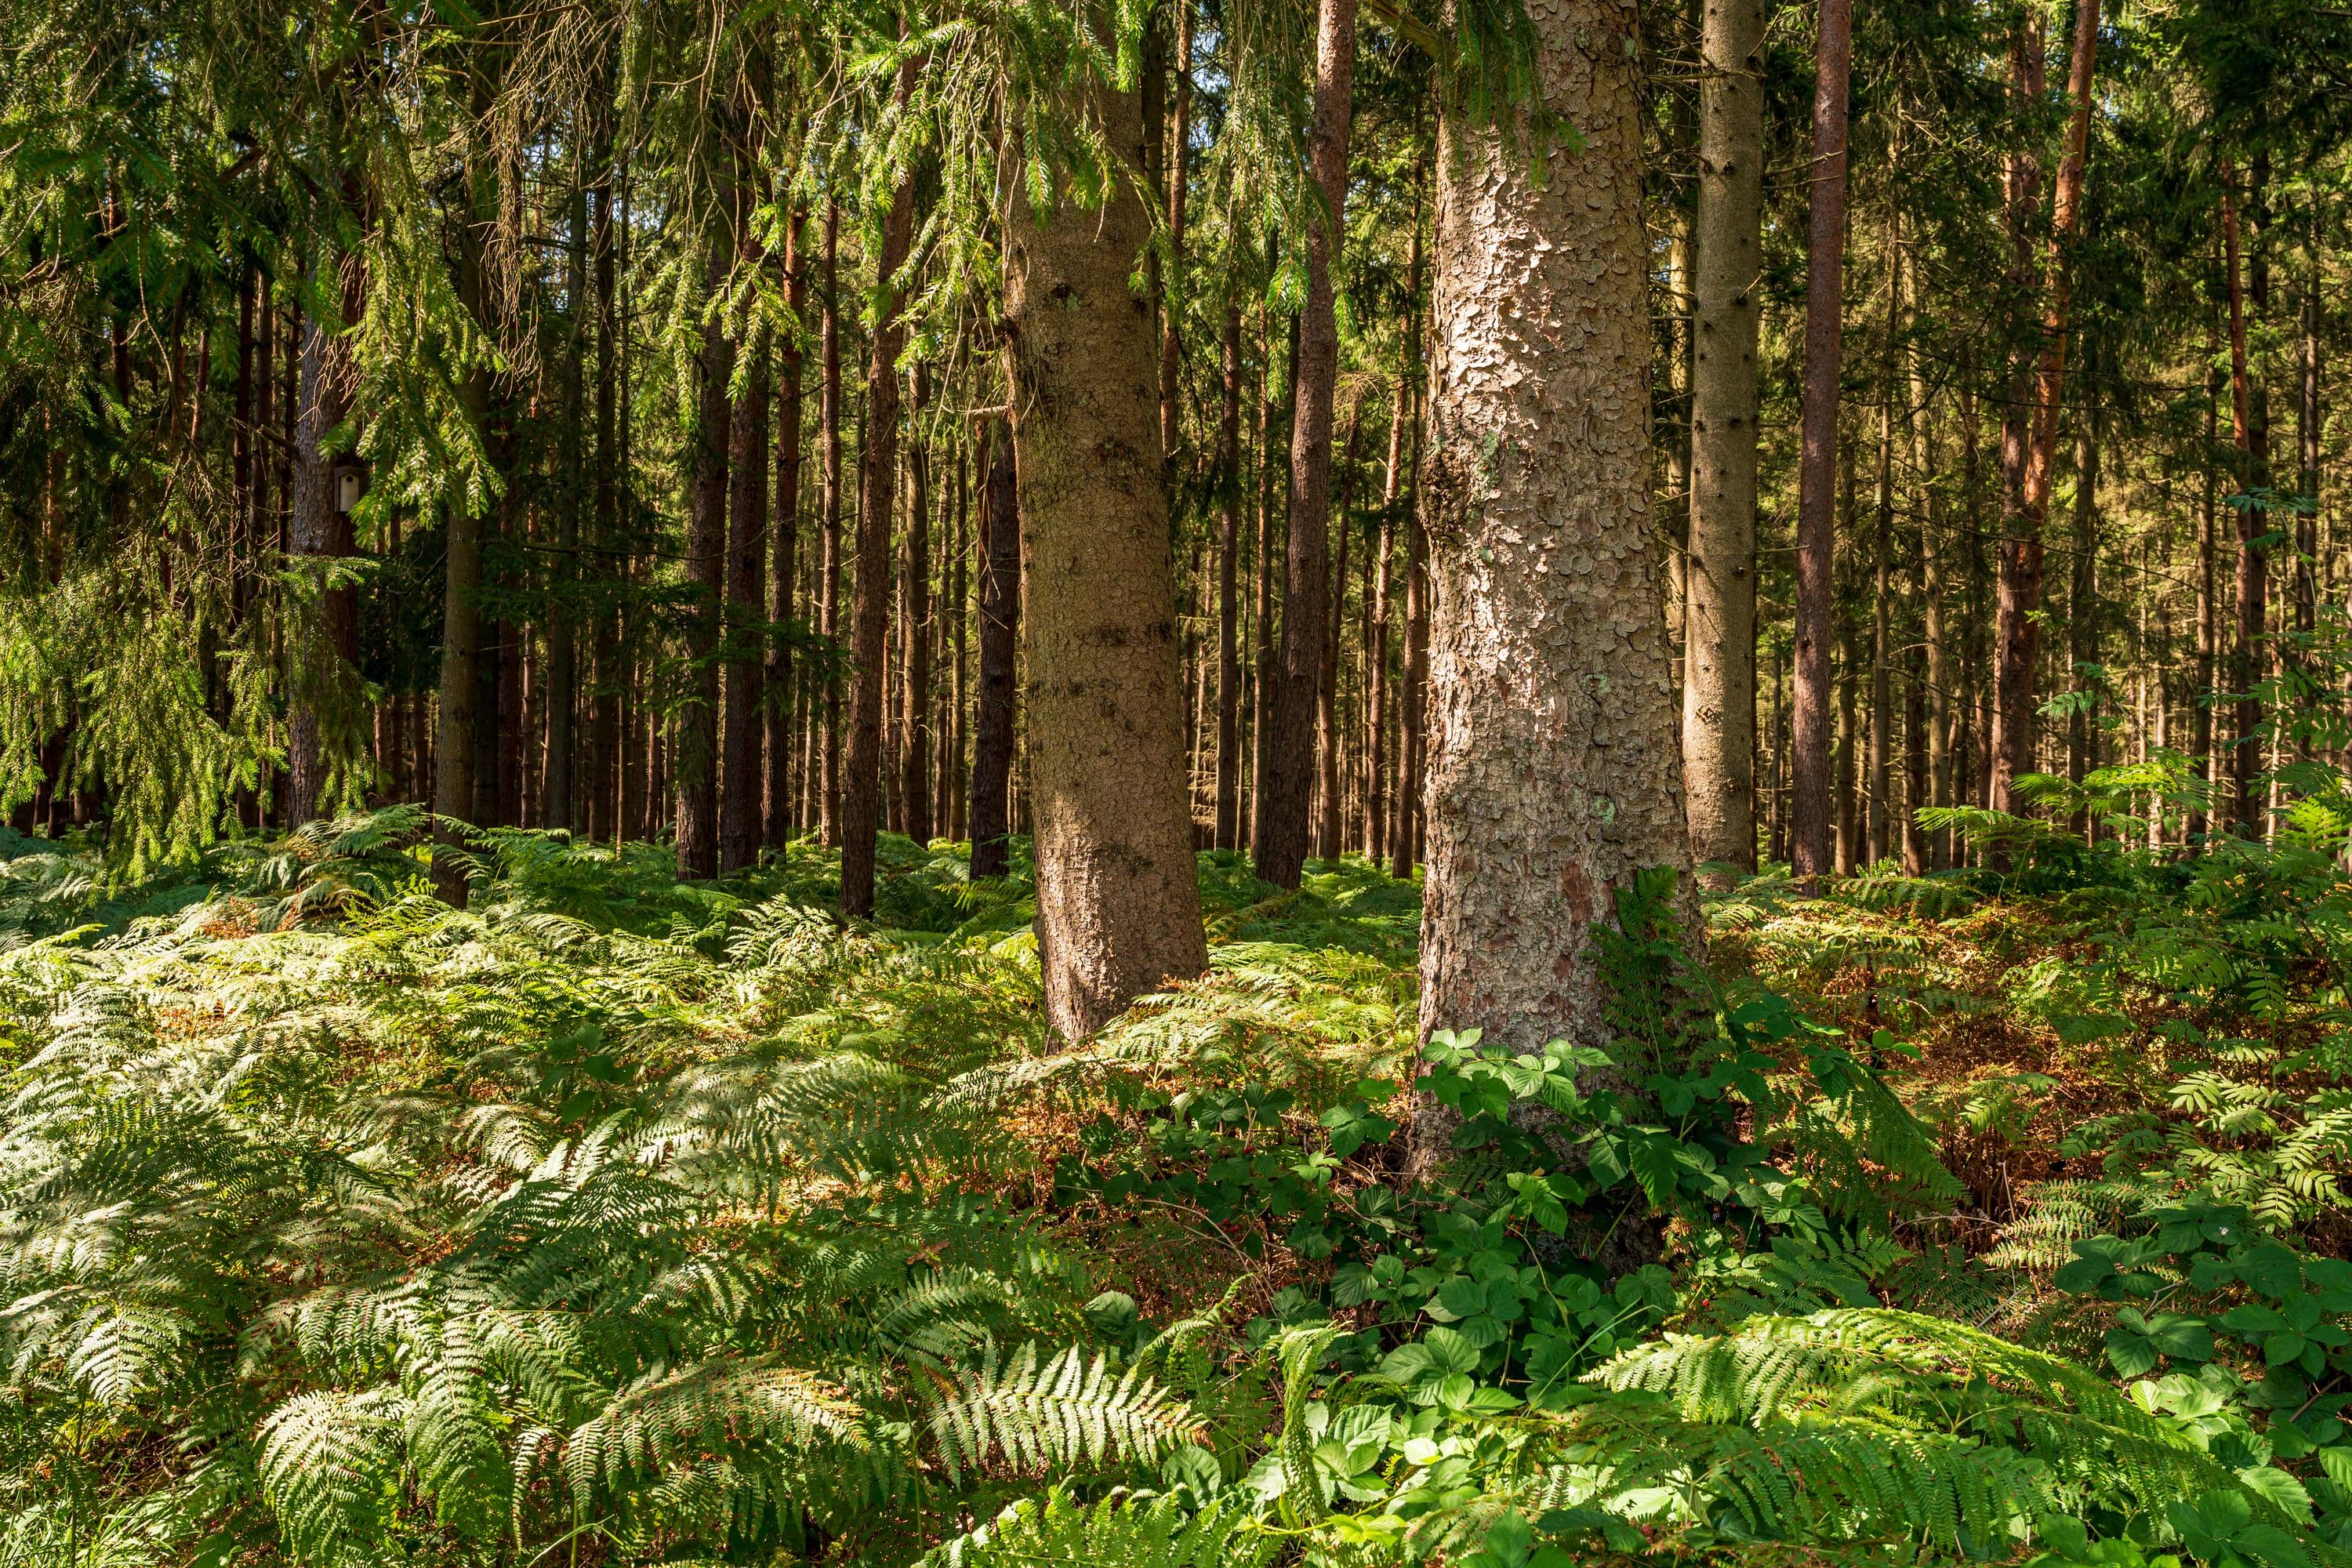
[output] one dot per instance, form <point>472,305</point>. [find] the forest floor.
<point>278,1130</point>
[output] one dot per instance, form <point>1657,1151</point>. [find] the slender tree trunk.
<point>1549,788</point>
<point>1412,815</point>
<point>1000,617</point>
<point>1327,687</point>
<point>1283,834</point>
<point>1262,627</point>
<point>740,830</point>
<point>563,656</point>
<point>2083,591</point>
<point>1229,660</point>
<point>1170,335</point>
<point>1719,624</point>
<point>320,664</point>
<point>2018,630</point>
<point>1882,626</point>
<point>775,776</point>
<point>1376,639</point>
<point>1118,902</point>
<point>2253,563</point>
<point>695,766</point>
<point>829,569</point>
<point>2208,641</point>
<point>607,818</point>
<point>1937,667</point>
<point>2306,430</point>
<point>861,797</point>
<point>1817,466</point>
<point>914,756</point>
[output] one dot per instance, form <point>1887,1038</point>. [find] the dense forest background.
<point>1195,783</point>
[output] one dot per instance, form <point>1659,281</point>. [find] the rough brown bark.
<point>1118,906</point>
<point>1554,775</point>
<point>2018,635</point>
<point>1719,617</point>
<point>1000,619</point>
<point>739,829</point>
<point>1284,828</point>
<point>1817,464</point>
<point>861,788</point>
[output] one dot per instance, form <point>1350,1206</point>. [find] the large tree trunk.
<point>1810,847</point>
<point>1554,775</point>
<point>1719,617</point>
<point>1000,619</point>
<point>2018,635</point>
<point>1229,657</point>
<point>694,768</point>
<point>1118,905</point>
<point>877,479</point>
<point>1283,831</point>
<point>775,775</point>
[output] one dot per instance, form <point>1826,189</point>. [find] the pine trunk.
<point>915,752</point>
<point>829,568</point>
<point>775,773</point>
<point>694,768</point>
<point>2018,635</point>
<point>1229,659</point>
<point>1283,836</point>
<point>1000,619</point>
<point>1818,463</point>
<point>878,476</point>
<point>1719,620</point>
<point>1118,905</point>
<point>1554,775</point>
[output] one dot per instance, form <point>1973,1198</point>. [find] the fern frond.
<point>1155,1533</point>
<point>1056,1413</point>
<point>329,1472</point>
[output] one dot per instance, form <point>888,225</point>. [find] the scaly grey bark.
<point>1553,772</point>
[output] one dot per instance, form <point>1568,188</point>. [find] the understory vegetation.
<point>616,1219</point>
